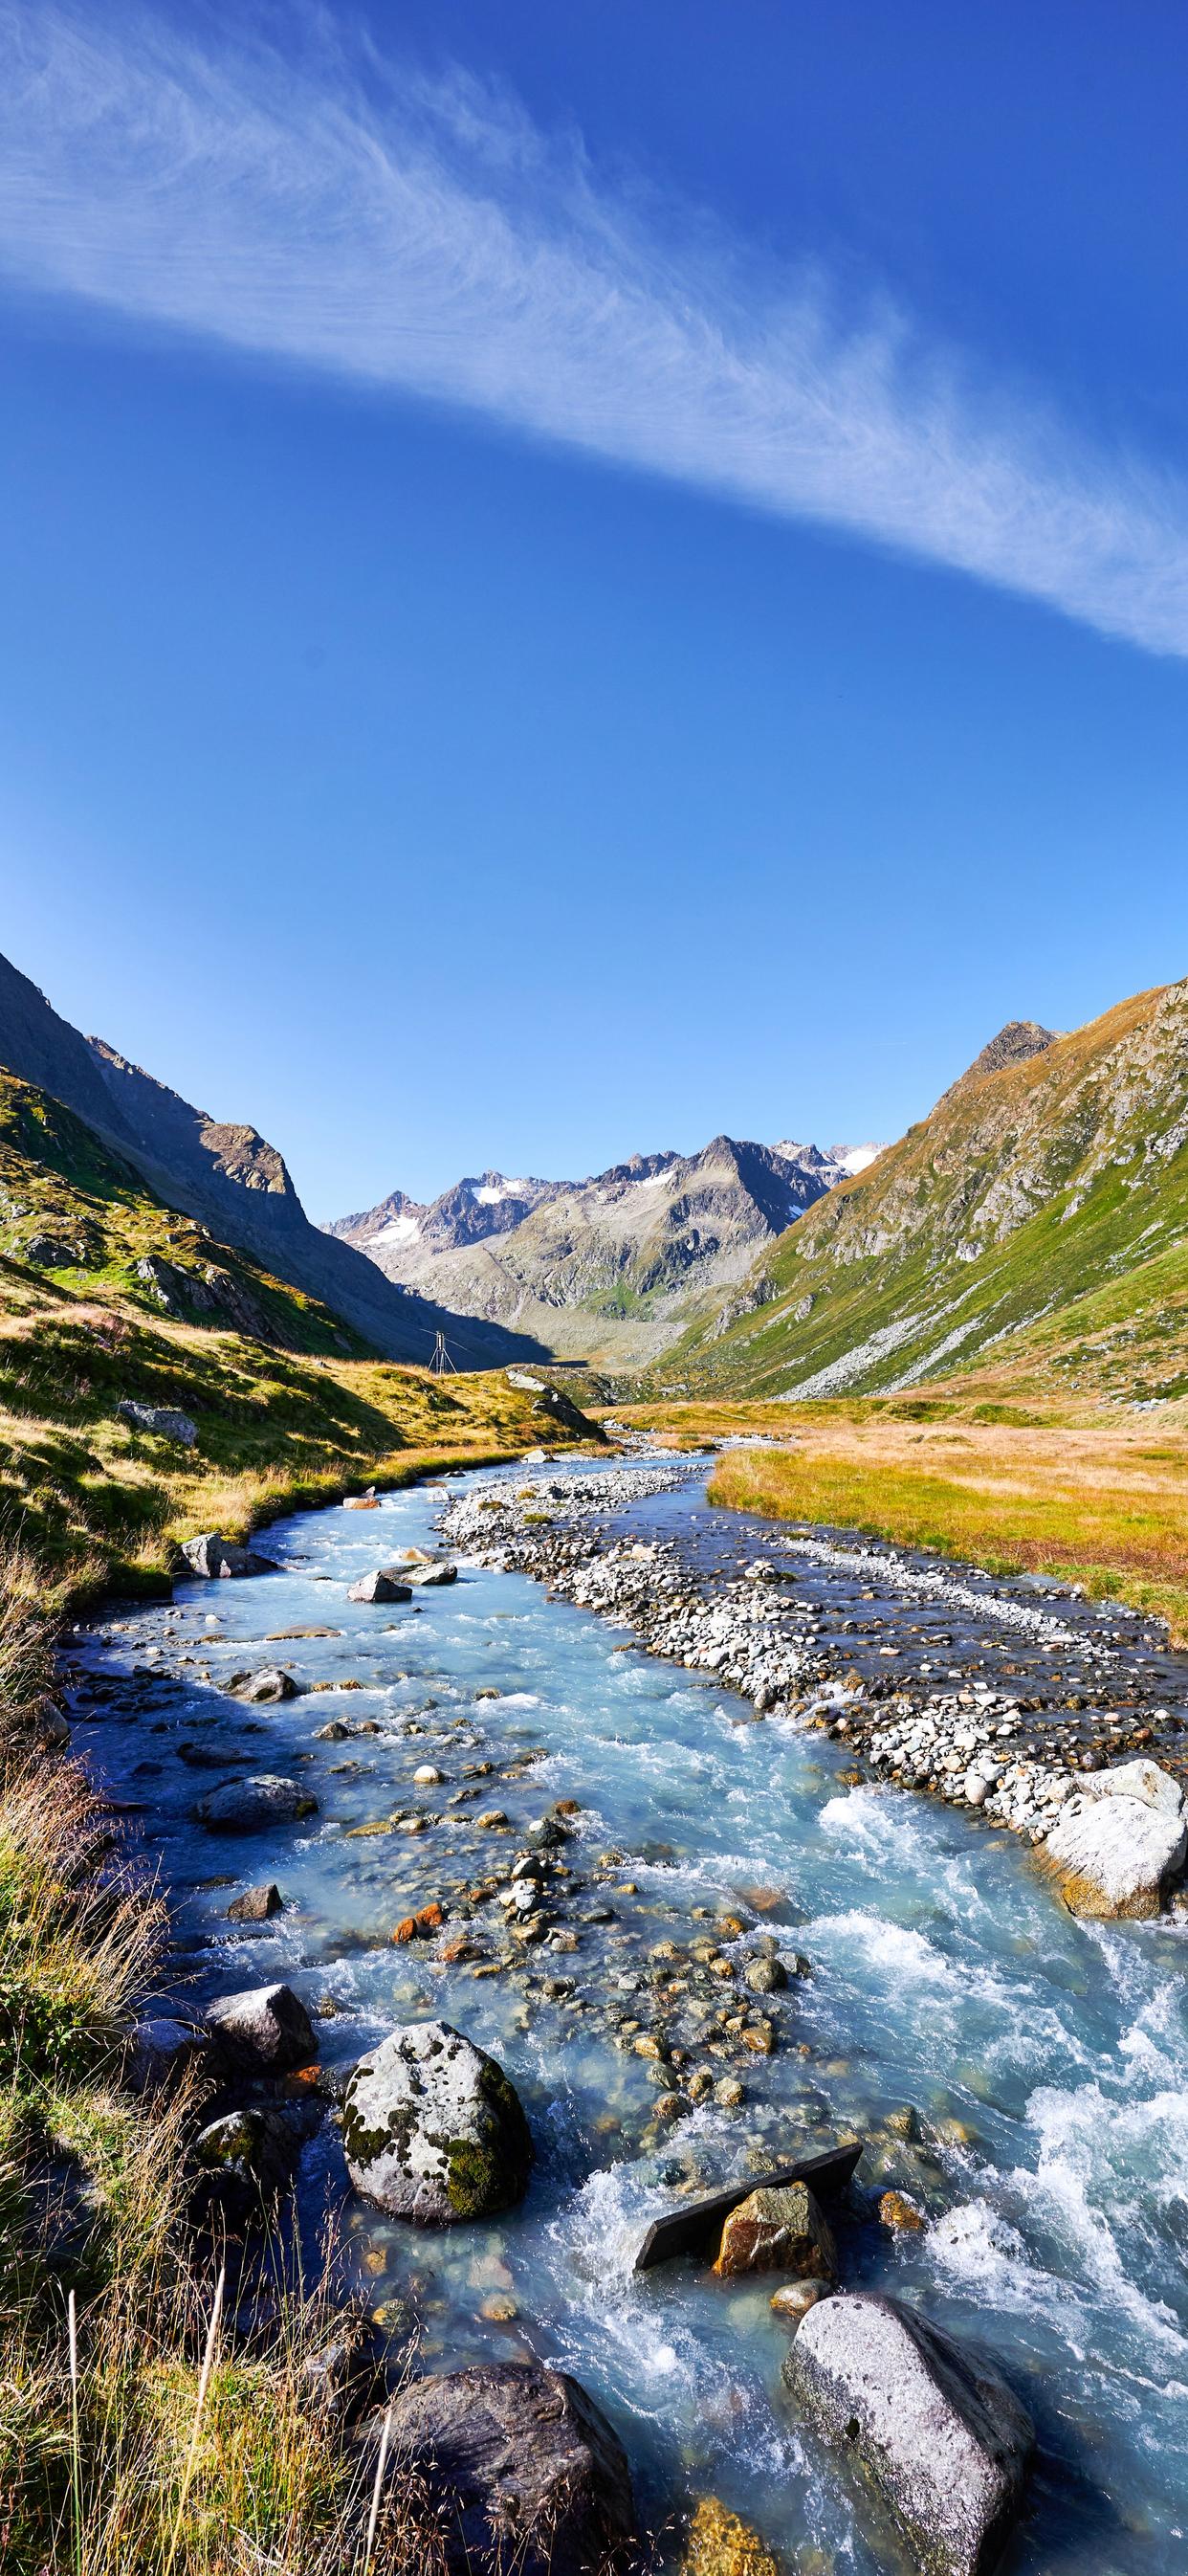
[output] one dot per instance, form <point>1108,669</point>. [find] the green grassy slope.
<point>289,1405</point>
<point>1036,1225</point>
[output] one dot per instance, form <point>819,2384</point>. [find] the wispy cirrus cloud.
<point>354,217</point>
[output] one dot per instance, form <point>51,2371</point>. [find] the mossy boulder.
<point>433,2130</point>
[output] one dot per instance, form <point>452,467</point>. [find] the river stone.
<point>1118,1842</point>
<point>529,2472</point>
<point>433,2130</point>
<point>256,1905</point>
<point>246,1806</point>
<point>346,2376</point>
<point>379,1586</point>
<point>265,2030</point>
<point>162,2052</point>
<point>428,1577</point>
<point>778,2229</point>
<point>264,1688</point>
<point>941,2434</point>
<point>220,1558</point>
<point>163,1419</point>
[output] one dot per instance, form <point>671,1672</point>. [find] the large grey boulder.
<point>943,2437</point>
<point>163,1419</point>
<point>247,1806</point>
<point>525,2469</point>
<point>427,1575</point>
<point>380,1586</point>
<point>266,2030</point>
<point>1119,1842</point>
<point>433,2130</point>
<point>220,1558</point>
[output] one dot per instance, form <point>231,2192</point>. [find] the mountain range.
<point>1033,1230</point>
<point>612,1268</point>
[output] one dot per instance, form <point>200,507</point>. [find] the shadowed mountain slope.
<point>228,1178</point>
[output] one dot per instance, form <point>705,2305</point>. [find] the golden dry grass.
<point>1101,1500</point>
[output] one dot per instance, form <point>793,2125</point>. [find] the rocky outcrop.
<point>433,2130</point>
<point>264,2031</point>
<point>219,1559</point>
<point>1119,1843</point>
<point>161,1419</point>
<point>780,2230</point>
<point>942,2435</point>
<point>247,1806</point>
<point>524,2468</point>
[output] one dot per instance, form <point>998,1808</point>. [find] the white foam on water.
<point>1099,2161</point>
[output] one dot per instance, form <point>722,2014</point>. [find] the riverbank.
<point>117,2452</point>
<point>1098,1497</point>
<point>734,1940</point>
<point>1026,1756</point>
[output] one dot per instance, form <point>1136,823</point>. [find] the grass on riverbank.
<point>126,2457</point>
<point>101,1502</point>
<point>1097,1500</point>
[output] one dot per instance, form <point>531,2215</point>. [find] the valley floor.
<point>1098,1498</point>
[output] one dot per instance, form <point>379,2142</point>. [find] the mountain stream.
<point>1046,2059</point>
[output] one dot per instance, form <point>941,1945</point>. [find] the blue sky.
<point>574,578</point>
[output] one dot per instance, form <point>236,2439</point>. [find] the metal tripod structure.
<point>441,1360</point>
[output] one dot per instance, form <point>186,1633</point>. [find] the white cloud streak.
<point>424,238</point>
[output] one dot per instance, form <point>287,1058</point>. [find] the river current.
<point>1046,2059</point>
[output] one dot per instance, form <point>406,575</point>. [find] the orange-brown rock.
<point>778,2230</point>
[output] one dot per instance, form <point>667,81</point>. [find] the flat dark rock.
<point>527,2473</point>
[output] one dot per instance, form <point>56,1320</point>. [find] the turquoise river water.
<point>1048,2058</point>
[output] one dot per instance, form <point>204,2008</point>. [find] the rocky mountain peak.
<point>1014,1044</point>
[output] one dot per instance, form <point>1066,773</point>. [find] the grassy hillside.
<point>288,1404</point>
<point>1034,1229</point>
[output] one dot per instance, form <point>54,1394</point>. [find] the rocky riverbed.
<point>1041,1756</point>
<point>647,1863</point>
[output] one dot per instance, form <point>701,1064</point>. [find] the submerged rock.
<point>525,2466</point>
<point>265,2030</point>
<point>246,1806</point>
<point>778,2229</point>
<point>720,2545</point>
<point>1119,1842</point>
<point>433,2130</point>
<point>220,1558</point>
<point>944,2438</point>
